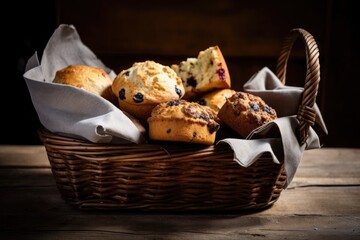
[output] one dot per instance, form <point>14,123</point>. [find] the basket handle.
<point>306,114</point>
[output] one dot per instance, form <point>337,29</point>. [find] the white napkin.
<point>69,110</point>
<point>281,142</point>
<point>285,99</point>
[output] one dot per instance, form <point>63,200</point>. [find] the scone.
<point>144,85</point>
<point>92,79</point>
<point>243,112</point>
<point>216,99</point>
<point>183,121</point>
<point>204,73</point>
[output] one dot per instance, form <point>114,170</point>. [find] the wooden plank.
<point>37,185</point>
<point>304,201</point>
<point>323,208</point>
<point>26,177</point>
<point>330,162</point>
<point>44,214</point>
<point>324,181</point>
<point>198,227</point>
<point>23,156</point>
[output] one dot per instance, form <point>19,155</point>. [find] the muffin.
<point>144,85</point>
<point>202,74</point>
<point>92,79</point>
<point>216,99</point>
<point>183,121</point>
<point>244,112</point>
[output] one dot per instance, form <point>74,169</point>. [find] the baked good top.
<point>92,79</point>
<point>182,110</point>
<point>245,112</point>
<point>148,82</point>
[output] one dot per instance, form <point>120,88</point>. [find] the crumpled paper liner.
<point>72,111</point>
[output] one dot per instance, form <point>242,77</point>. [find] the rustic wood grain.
<point>321,203</point>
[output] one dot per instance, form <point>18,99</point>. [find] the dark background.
<point>249,33</point>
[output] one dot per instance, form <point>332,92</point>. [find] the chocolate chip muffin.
<point>244,112</point>
<point>202,74</point>
<point>144,85</point>
<point>183,121</point>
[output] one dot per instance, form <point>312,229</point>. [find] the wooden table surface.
<point>322,202</point>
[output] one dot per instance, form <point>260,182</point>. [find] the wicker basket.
<point>179,176</point>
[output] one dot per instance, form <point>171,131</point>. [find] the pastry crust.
<point>183,121</point>
<point>92,79</point>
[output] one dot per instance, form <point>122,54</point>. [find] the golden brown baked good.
<point>183,121</point>
<point>204,73</point>
<point>144,85</point>
<point>243,112</point>
<point>216,99</point>
<point>92,79</point>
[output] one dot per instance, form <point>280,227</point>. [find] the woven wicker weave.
<point>179,177</point>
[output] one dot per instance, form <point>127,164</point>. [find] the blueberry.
<point>268,109</point>
<point>174,103</point>
<point>221,73</point>
<point>254,107</point>
<point>122,94</point>
<point>178,91</point>
<point>204,117</point>
<point>127,73</point>
<point>138,98</point>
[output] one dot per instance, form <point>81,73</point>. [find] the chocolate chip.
<point>178,91</point>
<point>194,134</point>
<point>173,103</point>
<point>204,117</point>
<point>127,73</point>
<point>202,102</point>
<point>213,126</point>
<point>168,131</point>
<point>122,94</point>
<point>138,98</point>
